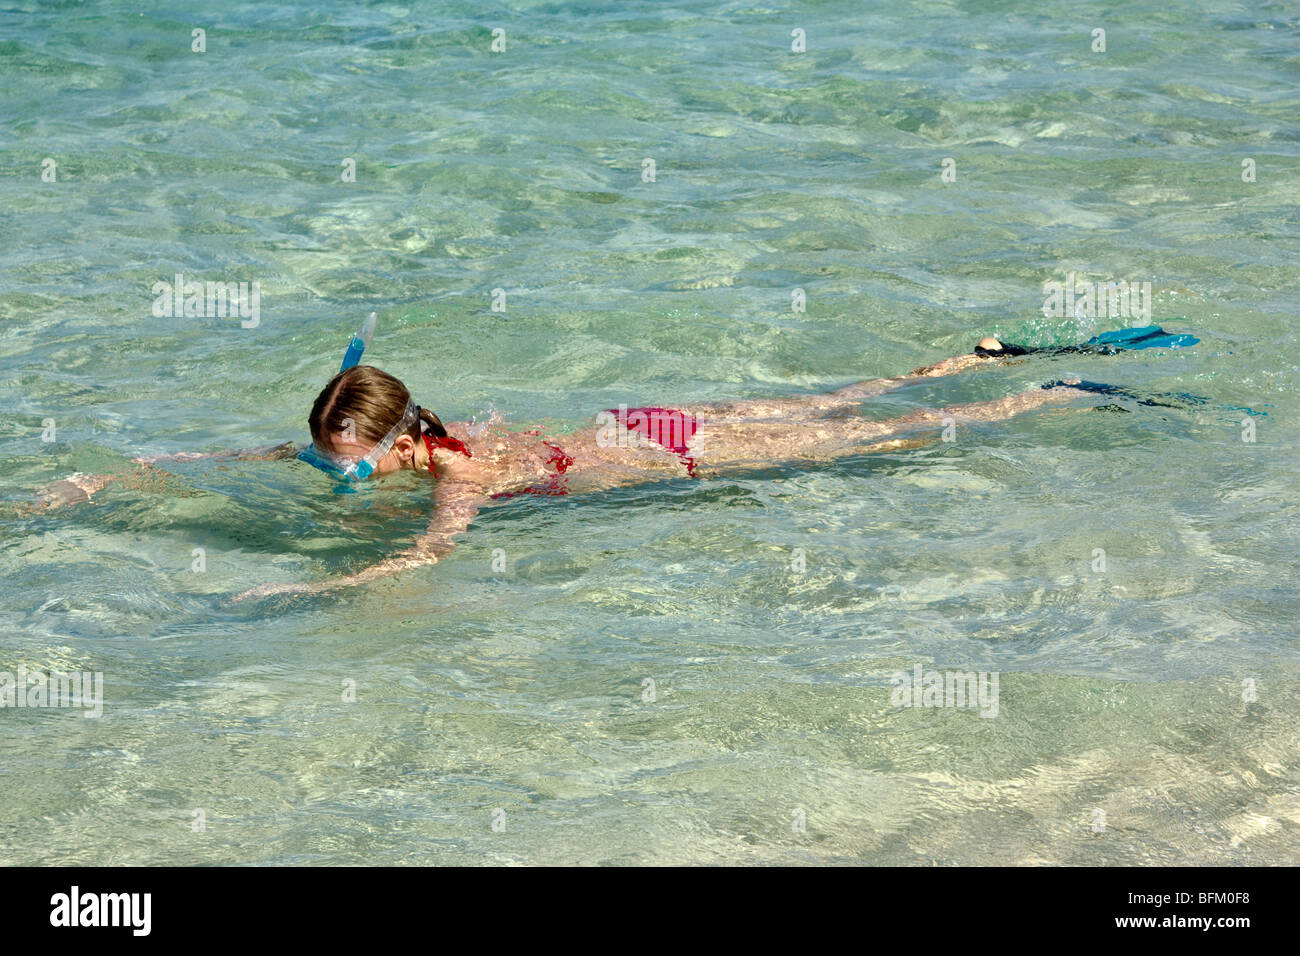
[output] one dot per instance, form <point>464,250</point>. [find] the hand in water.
<point>71,490</point>
<point>182,456</point>
<point>282,587</point>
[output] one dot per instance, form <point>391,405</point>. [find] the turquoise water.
<point>522,691</point>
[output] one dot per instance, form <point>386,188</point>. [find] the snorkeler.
<point>364,424</point>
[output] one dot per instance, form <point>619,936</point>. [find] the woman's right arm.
<point>262,453</point>
<point>78,488</point>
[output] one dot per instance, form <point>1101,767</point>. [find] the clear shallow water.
<point>1119,691</point>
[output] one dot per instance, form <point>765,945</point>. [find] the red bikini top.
<point>447,442</point>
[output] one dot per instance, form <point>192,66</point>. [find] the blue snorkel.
<point>360,340</point>
<point>346,469</point>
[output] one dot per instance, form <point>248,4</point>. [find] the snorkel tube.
<point>360,340</point>
<point>351,469</point>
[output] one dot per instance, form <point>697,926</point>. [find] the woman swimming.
<point>365,424</point>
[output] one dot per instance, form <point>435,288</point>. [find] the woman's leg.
<point>723,444</point>
<point>825,402</point>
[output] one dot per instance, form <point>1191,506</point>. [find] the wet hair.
<point>372,399</point>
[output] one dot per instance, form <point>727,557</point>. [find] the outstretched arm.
<point>79,487</point>
<point>455,505</point>
<point>262,453</point>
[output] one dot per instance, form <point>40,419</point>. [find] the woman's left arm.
<point>455,505</point>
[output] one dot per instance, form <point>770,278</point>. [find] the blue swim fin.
<point>1161,399</point>
<point>1108,343</point>
<point>1146,337</point>
<point>1102,388</point>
